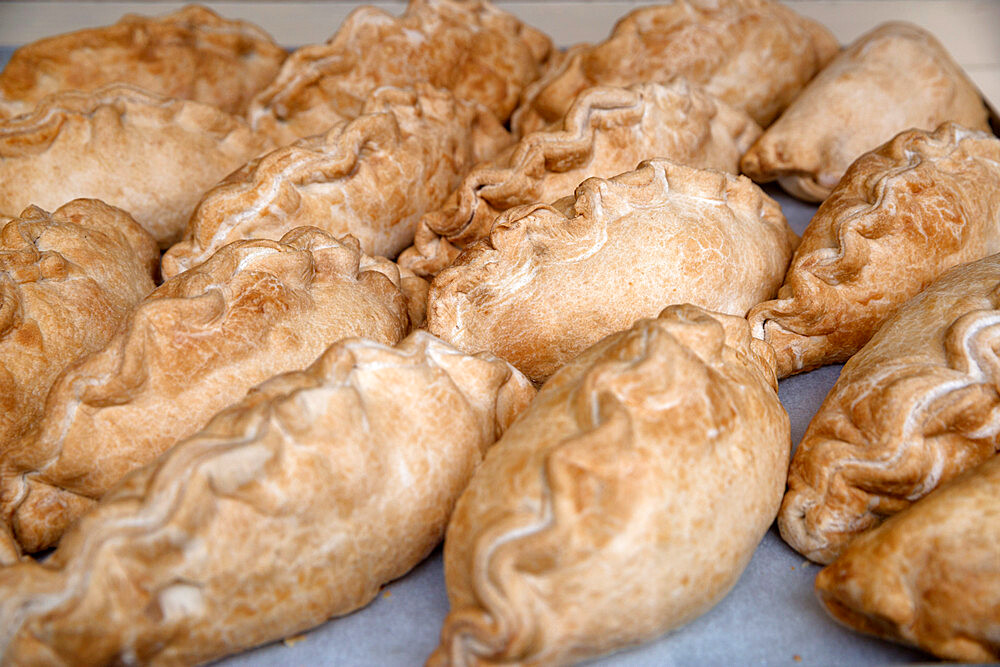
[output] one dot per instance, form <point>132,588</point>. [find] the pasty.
<point>372,177</point>
<point>624,502</point>
<point>902,215</point>
<point>470,47</point>
<point>192,54</point>
<point>606,131</point>
<point>754,55</point>
<point>152,156</point>
<point>293,506</point>
<point>891,79</point>
<point>929,576</point>
<point>916,406</point>
<point>191,348</point>
<point>68,280</point>
<point>550,281</point>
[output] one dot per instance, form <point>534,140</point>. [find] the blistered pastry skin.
<point>372,177</point>
<point>754,55</point>
<point>192,54</point>
<point>916,406</point>
<point>191,348</point>
<point>150,155</point>
<point>902,215</point>
<point>552,280</point>
<point>67,282</point>
<point>293,506</point>
<point>470,47</point>
<point>606,131</point>
<point>892,79</point>
<point>604,516</point>
<point>929,576</point>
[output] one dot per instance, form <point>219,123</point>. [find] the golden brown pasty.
<point>191,348</point>
<point>606,514</point>
<point>606,131</point>
<point>470,47</point>
<point>341,477</point>
<point>372,177</point>
<point>67,282</point>
<point>901,216</point>
<point>916,406</point>
<point>152,156</point>
<point>552,280</point>
<point>754,55</point>
<point>894,78</point>
<point>192,54</point>
<point>929,576</point>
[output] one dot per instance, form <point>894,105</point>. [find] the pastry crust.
<point>916,406</point>
<point>755,55</point>
<point>152,156</point>
<point>606,131</point>
<point>894,78</point>
<point>67,282</point>
<point>552,280</point>
<point>293,506</point>
<point>902,215</point>
<point>191,348</point>
<point>930,576</point>
<point>192,54</point>
<point>470,47</point>
<point>604,516</point>
<point>372,177</point>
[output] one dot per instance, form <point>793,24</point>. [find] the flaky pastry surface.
<point>470,47</point>
<point>191,348</point>
<point>150,155</point>
<point>192,54</point>
<point>605,515</point>
<point>606,131</point>
<point>902,215</point>
<point>372,177</point>
<point>929,576</point>
<point>552,280</point>
<point>896,77</point>
<point>754,55</point>
<point>916,406</point>
<point>293,506</point>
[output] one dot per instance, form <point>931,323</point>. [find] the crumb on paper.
<point>387,594</point>
<point>797,658</point>
<point>792,568</point>
<point>292,641</point>
<point>805,564</point>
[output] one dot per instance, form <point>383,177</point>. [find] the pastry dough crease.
<point>552,280</point>
<point>372,177</point>
<point>295,505</point>
<point>606,131</point>
<point>604,516</point>
<point>915,407</point>
<point>150,155</point>
<point>902,215</point>
<point>191,348</point>
<point>755,55</point>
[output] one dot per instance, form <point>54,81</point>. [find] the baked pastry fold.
<point>68,280</point>
<point>192,54</point>
<point>606,131</point>
<point>372,177</point>
<point>478,52</point>
<point>552,280</point>
<point>293,506</point>
<point>605,515</point>
<point>152,156</point>
<point>902,215</point>
<point>891,79</point>
<point>916,406</point>
<point>755,55</point>
<point>929,576</point>
<point>191,348</point>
